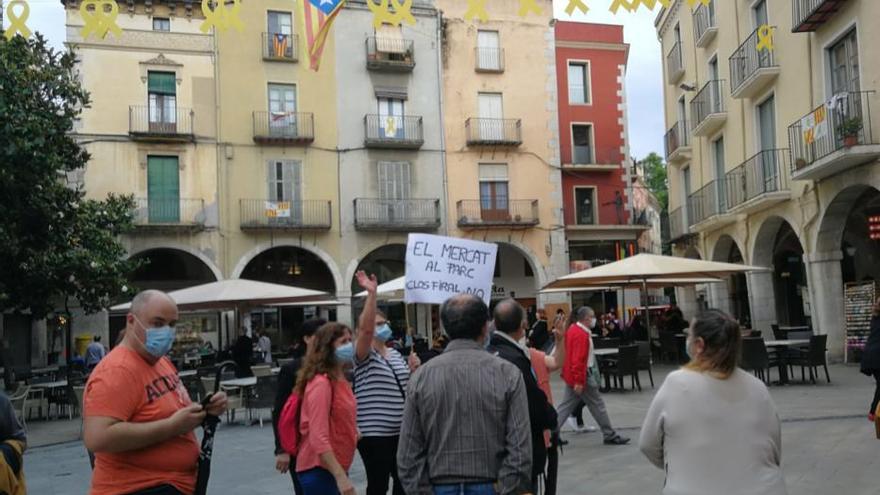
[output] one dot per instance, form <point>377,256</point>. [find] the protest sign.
<point>438,268</point>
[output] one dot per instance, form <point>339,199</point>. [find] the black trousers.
<point>380,461</point>
<point>579,414</point>
<point>552,469</point>
<point>159,490</point>
<point>876,393</point>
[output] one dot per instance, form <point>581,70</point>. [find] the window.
<point>394,180</point>
<point>578,83</point>
<point>713,69</point>
<point>585,205</point>
<point>162,99</point>
<point>718,158</point>
<point>161,24</point>
<point>493,192</point>
<point>582,148</point>
<point>686,193</point>
<point>280,23</point>
<point>280,30</point>
<point>390,42</point>
<point>163,189</point>
<point>844,58</point>
<point>768,161</point>
<point>282,110</point>
<point>491,124</point>
<point>284,180</point>
<point>488,50</point>
<point>391,121</point>
<point>760,12</point>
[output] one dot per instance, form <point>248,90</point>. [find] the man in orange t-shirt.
<point>139,419</point>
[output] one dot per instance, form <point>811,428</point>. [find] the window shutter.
<point>271,181</point>
<point>161,83</point>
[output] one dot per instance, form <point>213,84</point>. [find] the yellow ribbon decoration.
<point>220,17</point>
<point>476,8</point>
<point>692,3</point>
<point>526,6</point>
<point>621,3</point>
<point>765,38</point>
<point>576,5</point>
<point>390,126</point>
<point>17,22</point>
<point>99,21</point>
<point>383,15</point>
<point>650,4</point>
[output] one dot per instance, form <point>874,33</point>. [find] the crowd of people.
<point>477,417</point>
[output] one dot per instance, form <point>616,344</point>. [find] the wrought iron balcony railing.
<point>751,67</point>
<point>764,173</point>
<point>676,138</point>
<point>281,47</point>
<point>284,127</point>
<point>489,59</point>
<point>497,212</point>
<point>482,131</point>
<point>393,131</point>
<point>260,214</point>
<point>390,54</point>
<point>396,214</point>
<point>158,123</point>
<point>674,64</point>
<point>169,213</point>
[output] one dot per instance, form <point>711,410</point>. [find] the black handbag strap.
<point>394,374</point>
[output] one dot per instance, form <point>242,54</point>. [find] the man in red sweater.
<point>581,375</point>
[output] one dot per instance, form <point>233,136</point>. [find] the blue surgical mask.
<point>345,353</point>
<point>383,333</point>
<point>159,340</point>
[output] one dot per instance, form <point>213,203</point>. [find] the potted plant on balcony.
<point>849,129</point>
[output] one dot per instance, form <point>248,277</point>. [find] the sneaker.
<point>586,429</point>
<point>569,425</point>
<point>616,440</point>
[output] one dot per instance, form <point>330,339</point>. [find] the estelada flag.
<point>317,17</point>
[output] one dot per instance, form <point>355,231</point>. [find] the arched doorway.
<point>296,267</point>
<point>777,246</point>
<point>734,293</point>
<point>515,277</point>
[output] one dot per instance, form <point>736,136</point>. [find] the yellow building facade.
<point>773,153</point>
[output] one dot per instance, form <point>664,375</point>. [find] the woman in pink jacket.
<point>327,420</point>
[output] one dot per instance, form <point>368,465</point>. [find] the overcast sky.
<point>644,83</point>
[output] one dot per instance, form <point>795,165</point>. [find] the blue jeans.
<point>317,481</point>
<point>465,489</point>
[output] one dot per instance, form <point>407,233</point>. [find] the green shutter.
<point>163,83</point>
<point>163,189</point>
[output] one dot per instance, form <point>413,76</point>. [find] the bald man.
<point>139,418</point>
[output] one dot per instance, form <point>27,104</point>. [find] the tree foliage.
<point>57,244</point>
<point>655,178</point>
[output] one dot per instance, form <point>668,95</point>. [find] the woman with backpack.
<point>327,426</point>
<point>380,378</point>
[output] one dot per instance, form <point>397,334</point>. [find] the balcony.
<point>173,214</point>
<point>678,143</point>
<point>475,214</point>
<point>674,64</point>
<point>279,47</point>
<point>389,131</point>
<point>708,111</point>
<point>678,225</point>
<point>493,132</point>
<point>708,207</point>
<point>259,214</point>
<point>759,182</point>
<point>705,28</point>
<point>585,230</point>
<point>390,54</point>
<point>841,139</point>
<point>592,159</point>
<point>396,215</point>
<point>752,70</point>
<point>293,128</point>
<point>490,60</point>
<point>810,15</point>
<point>160,124</point>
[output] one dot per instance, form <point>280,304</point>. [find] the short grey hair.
<point>584,312</point>
<point>143,299</point>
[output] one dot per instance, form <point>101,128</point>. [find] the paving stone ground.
<point>828,448</point>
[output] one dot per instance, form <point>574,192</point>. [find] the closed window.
<point>844,57</point>
<point>163,189</point>
<point>488,50</point>
<point>394,180</point>
<point>282,110</point>
<point>584,205</point>
<point>582,144</point>
<point>284,179</point>
<point>280,30</point>
<point>391,121</point>
<point>161,24</point>
<point>162,99</point>
<point>578,83</point>
<point>494,197</point>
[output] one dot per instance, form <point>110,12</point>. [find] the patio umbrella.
<point>209,428</point>
<point>237,293</point>
<point>637,284</point>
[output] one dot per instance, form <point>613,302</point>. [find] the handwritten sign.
<point>438,268</point>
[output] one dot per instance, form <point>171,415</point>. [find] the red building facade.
<point>601,224</point>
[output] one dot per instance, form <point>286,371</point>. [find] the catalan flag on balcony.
<point>279,44</point>
<point>317,17</point>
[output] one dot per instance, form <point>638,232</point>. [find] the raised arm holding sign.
<point>438,268</point>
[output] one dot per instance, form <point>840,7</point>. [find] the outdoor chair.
<point>756,359</point>
<point>645,360</point>
<point>626,364</point>
<point>235,400</point>
<point>777,333</point>
<point>36,399</point>
<point>19,404</point>
<point>263,395</point>
<point>194,387</point>
<point>812,358</point>
<point>800,335</point>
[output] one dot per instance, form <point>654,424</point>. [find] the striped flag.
<point>317,17</point>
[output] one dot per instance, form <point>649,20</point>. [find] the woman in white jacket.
<point>712,427</point>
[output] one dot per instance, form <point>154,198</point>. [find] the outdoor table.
<point>50,385</point>
<point>783,363</point>
<point>186,373</point>
<point>276,370</point>
<point>606,352</point>
<point>248,381</point>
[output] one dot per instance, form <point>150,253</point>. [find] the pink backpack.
<point>288,423</point>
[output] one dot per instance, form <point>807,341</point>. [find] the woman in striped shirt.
<point>380,378</point>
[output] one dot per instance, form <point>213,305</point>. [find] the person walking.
<point>286,381</point>
<point>465,426</point>
<point>264,345</point>
<point>581,376</point>
<point>242,353</point>
<point>138,416</point>
<point>870,363</point>
<point>508,343</point>
<point>539,334</point>
<point>328,428</point>
<point>381,375</point>
<point>95,352</point>
<point>712,426</point>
